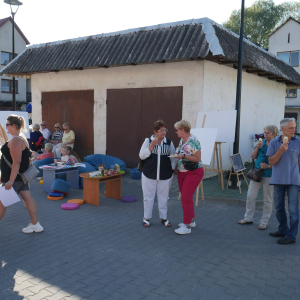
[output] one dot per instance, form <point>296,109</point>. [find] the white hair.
<point>36,126</point>
<point>49,147</point>
<point>284,122</point>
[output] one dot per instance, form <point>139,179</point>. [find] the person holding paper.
<point>17,152</point>
<point>157,172</point>
<point>190,173</point>
<point>261,162</point>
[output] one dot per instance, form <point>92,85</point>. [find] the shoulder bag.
<point>141,162</point>
<point>256,174</point>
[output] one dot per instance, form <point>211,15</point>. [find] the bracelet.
<point>184,155</point>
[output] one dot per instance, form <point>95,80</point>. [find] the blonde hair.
<point>19,121</point>
<point>49,147</point>
<point>72,152</point>
<point>57,124</point>
<point>66,125</point>
<point>183,124</point>
<point>273,129</point>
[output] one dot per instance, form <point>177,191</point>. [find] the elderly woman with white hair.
<point>68,139</point>
<point>262,162</point>
<point>190,173</point>
<point>36,138</point>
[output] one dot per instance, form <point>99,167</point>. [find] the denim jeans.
<point>279,194</point>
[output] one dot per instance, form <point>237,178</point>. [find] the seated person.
<point>48,154</point>
<point>56,138</point>
<point>69,154</point>
<point>68,139</point>
<point>36,138</point>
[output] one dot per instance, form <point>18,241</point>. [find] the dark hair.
<point>18,121</point>
<point>158,124</point>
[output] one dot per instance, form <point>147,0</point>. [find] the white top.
<point>46,133</point>
<point>64,158</point>
<point>145,153</point>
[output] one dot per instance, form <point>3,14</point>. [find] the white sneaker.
<point>183,230</point>
<point>39,178</point>
<point>191,224</point>
<point>33,228</point>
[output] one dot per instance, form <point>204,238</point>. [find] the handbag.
<point>256,174</point>
<point>142,162</point>
<point>190,165</point>
<point>28,175</point>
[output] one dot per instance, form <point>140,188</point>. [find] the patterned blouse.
<point>188,148</point>
<point>57,136</point>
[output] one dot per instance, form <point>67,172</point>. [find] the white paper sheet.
<point>8,197</point>
<point>224,121</point>
<point>207,138</point>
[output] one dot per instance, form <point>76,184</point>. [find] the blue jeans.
<point>279,194</point>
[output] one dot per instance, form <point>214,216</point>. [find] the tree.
<point>262,18</point>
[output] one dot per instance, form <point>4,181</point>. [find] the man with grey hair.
<point>45,131</point>
<point>284,157</point>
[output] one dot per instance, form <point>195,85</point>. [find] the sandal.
<point>262,226</point>
<point>244,222</point>
<point>166,223</point>
<point>146,223</point>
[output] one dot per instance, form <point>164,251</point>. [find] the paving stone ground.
<point>105,253</point>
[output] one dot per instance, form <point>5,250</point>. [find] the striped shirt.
<point>57,136</point>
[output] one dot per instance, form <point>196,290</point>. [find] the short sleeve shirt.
<point>67,137</point>
<point>286,170</point>
<point>188,148</point>
<point>261,158</point>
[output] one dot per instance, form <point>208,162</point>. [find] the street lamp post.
<point>16,3</point>
<point>238,91</point>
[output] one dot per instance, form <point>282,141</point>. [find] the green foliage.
<point>262,18</point>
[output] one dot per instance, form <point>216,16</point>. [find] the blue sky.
<point>46,21</point>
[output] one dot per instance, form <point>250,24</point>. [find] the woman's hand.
<point>259,145</point>
<point>8,185</point>
<point>179,156</point>
<point>263,166</point>
<point>153,144</point>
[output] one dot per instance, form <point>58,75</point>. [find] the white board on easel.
<point>5,114</point>
<point>207,138</point>
<point>224,121</point>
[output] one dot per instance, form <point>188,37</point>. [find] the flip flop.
<point>244,222</point>
<point>146,223</point>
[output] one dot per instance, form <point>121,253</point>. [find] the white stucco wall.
<point>262,103</point>
<point>186,74</point>
<point>278,42</point>
<point>6,46</point>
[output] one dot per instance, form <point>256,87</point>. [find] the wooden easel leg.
<point>179,197</point>
<point>221,167</point>
<point>228,179</point>
<point>237,174</point>
<point>217,157</point>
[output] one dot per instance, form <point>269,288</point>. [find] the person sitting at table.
<point>36,138</point>
<point>70,153</point>
<point>48,154</point>
<point>68,139</point>
<point>56,138</point>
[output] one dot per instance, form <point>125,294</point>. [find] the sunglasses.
<point>56,127</point>
<point>43,124</point>
<point>9,124</point>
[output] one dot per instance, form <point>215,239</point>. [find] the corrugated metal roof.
<point>185,40</point>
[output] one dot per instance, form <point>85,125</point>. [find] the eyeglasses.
<point>43,124</point>
<point>162,130</point>
<point>267,133</point>
<point>8,124</point>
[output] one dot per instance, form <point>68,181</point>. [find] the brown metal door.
<point>76,108</point>
<point>123,133</point>
<point>163,103</point>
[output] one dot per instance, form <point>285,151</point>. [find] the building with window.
<point>284,42</point>
<point>23,87</point>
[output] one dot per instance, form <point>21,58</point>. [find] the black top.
<point>6,169</point>
<point>165,167</point>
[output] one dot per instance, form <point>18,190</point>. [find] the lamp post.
<point>238,91</point>
<point>14,3</point>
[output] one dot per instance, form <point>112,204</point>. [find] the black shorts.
<point>19,186</point>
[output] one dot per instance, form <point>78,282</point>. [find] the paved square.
<point>105,253</point>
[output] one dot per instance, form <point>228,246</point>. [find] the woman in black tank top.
<point>17,152</point>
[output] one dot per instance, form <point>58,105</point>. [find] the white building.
<point>112,87</point>
<point>284,42</point>
<point>6,56</point>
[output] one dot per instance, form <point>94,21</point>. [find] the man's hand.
<point>284,147</point>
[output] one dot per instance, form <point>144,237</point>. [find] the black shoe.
<point>276,234</point>
<point>285,241</point>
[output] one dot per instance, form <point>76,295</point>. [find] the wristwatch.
<point>184,155</point>
<point>269,166</point>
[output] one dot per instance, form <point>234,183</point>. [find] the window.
<point>290,57</point>
<point>291,93</point>
<point>289,37</point>
<point>6,57</point>
<point>7,86</point>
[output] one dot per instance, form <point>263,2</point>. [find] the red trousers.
<point>188,183</point>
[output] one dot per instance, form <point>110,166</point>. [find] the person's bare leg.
<point>2,210</point>
<point>31,206</point>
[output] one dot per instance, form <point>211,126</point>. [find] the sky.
<point>45,21</point>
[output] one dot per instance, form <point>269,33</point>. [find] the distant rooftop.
<point>195,39</point>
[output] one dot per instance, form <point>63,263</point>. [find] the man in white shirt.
<point>45,131</point>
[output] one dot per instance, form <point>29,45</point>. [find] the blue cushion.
<point>60,186</point>
<point>51,194</point>
<point>100,159</point>
<point>38,163</point>
<point>135,174</point>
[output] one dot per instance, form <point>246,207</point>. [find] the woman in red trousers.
<point>190,173</point>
